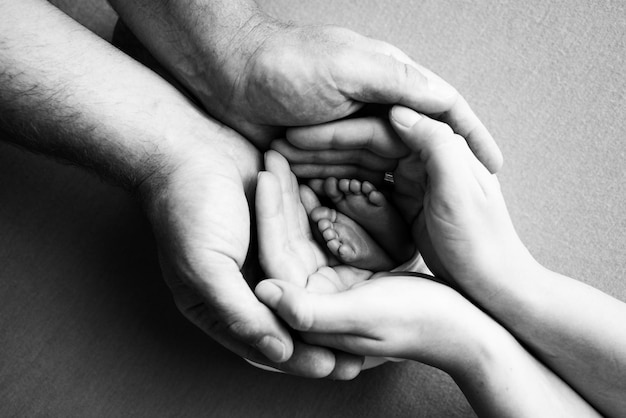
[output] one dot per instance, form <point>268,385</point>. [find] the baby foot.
<point>362,202</point>
<point>349,242</point>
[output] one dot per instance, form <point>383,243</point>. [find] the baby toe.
<point>334,245</point>
<point>346,253</point>
<point>329,234</point>
<point>377,198</point>
<point>355,186</point>
<point>367,187</point>
<point>344,185</point>
<point>323,213</point>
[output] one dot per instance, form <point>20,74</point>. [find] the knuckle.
<point>335,137</point>
<point>413,76</point>
<point>243,330</point>
<point>440,129</point>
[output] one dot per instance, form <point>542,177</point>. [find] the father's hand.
<point>259,75</point>
<point>200,214</point>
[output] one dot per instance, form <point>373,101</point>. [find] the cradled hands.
<point>454,204</point>
<point>402,316</point>
<point>460,223</point>
<point>199,211</point>
<point>463,226</point>
<point>263,75</point>
<point>396,315</point>
<point>287,249</point>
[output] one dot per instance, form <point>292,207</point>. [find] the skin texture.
<point>363,203</point>
<point>66,93</point>
<point>575,329</point>
<point>348,241</point>
<point>399,315</point>
<point>466,237</point>
<point>259,75</point>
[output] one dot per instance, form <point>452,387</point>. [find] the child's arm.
<point>573,328</point>
<point>419,319</point>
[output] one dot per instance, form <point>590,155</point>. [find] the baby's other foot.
<point>349,242</point>
<point>362,202</point>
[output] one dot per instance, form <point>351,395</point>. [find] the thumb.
<point>307,311</point>
<point>219,301</point>
<point>388,79</point>
<point>446,156</point>
<point>379,78</point>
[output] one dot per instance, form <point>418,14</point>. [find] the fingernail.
<point>272,348</point>
<point>405,116</point>
<point>441,88</point>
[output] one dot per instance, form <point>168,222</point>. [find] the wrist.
<point>514,284</point>
<point>204,44</point>
<point>508,270</point>
<point>481,343</point>
<point>221,59</point>
<point>196,146</point>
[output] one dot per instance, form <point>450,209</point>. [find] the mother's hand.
<point>288,251</point>
<point>388,314</point>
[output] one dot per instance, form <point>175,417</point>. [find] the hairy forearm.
<point>198,40</point>
<point>67,93</point>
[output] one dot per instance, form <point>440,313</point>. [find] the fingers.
<point>304,359</point>
<point>371,77</point>
<point>287,248</point>
<point>386,75</point>
<point>310,312</point>
<point>480,141</point>
<point>445,154</point>
<point>315,361</point>
<point>246,327</point>
<point>309,199</point>
<point>359,157</point>
<point>272,228</point>
<point>288,192</point>
<point>370,133</point>
<point>464,122</point>
<point>312,171</point>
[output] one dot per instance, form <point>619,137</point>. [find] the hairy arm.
<point>260,75</point>
<point>65,92</point>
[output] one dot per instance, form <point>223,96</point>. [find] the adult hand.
<point>412,190</point>
<point>398,314</point>
<point>363,148</point>
<point>259,75</point>
<point>463,225</point>
<point>133,128</point>
<point>201,220</point>
<point>388,314</point>
<point>287,249</point>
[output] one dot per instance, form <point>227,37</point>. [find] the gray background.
<point>88,328</point>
